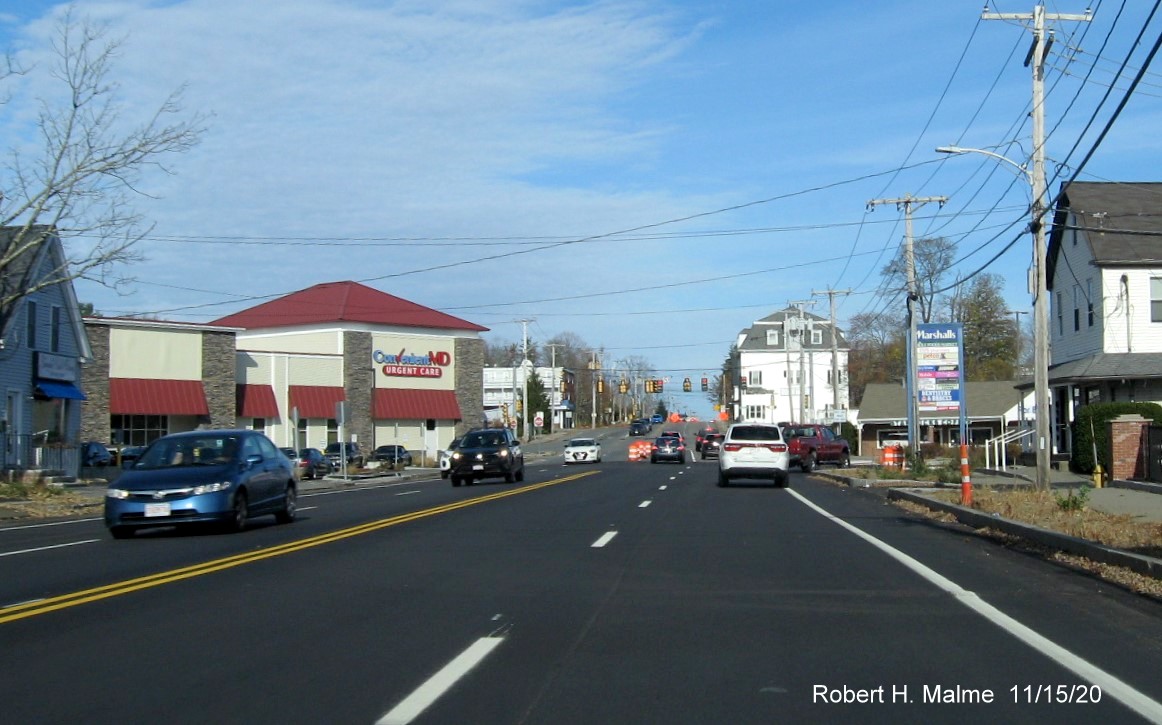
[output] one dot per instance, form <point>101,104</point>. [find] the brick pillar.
<point>219,378</point>
<point>95,383</point>
<point>469,382</point>
<point>1127,447</point>
<point>359,381</point>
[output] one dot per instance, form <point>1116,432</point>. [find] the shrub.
<point>1091,422</point>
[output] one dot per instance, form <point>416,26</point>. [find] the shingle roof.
<point>1121,222</point>
<point>991,399</point>
<point>755,337</point>
<point>336,302</point>
<point>1106,366</point>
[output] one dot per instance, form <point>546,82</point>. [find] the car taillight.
<point>653,446</point>
<point>777,447</point>
<point>731,447</point>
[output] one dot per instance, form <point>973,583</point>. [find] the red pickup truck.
<point>809,445</point>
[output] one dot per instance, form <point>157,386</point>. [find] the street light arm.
<point>961,150</point>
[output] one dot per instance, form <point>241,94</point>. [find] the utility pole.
<point>593,389</point>
<point>834,351</point>
<point>906,205</point>
<point>1036,60</point>
<point>799,304</point>
<point>525,377</point>
<point>554,388</point>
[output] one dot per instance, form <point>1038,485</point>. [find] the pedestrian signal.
<point>686,387</point>
<point>705,385</point>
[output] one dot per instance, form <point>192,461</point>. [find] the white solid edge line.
<point>605,539</point>
<point>46,548</point>
<point>414,704</point>
<point>1110,685</point>
<point>46,525</point>
<point>643,504</point>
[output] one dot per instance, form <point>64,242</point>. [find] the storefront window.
<point>138,430</point>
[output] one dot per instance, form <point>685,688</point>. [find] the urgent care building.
<point>399,372</point>
<point>404,373</point>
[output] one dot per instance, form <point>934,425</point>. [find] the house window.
<point>258,424</point>
<point>1156,299</point>
<point>1060,314</point>
<point>31,308</point>
<point>54,333</point>
<point>755,378</point>
<point>1076,308</point>
<point>773,338</point>
<point>816,337</point>
<point>1089,300</point>
<point>756,412</point>
<point>332,431</point>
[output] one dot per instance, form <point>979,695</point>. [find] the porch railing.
<point>996,446</point>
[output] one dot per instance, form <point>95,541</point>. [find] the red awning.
<point>256,401</point>
<point>315,401</point>
<point>140,396</point>
<point>392,404</point>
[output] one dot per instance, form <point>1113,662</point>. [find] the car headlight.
<point>211,487</point>
<point>456,456</point>
<point>502,452</point>
<point>118,493</point>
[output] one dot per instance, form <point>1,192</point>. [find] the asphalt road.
<point>614,593</point>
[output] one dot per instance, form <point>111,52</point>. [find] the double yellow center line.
<point>64,601</point>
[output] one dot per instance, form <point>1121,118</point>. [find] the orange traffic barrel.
<point>892,457</point>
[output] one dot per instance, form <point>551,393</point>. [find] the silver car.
<point>754,450</point>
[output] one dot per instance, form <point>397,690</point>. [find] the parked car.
<point>334,454</point>
<point>313,464</point>
<point>668,448</point>
<point>487,453</point>
<point>582,450</point>
<point>712,445</point>
<point>393,455</point>
<point>445,460</point>
<point>292,455</point>
<point>638,429</point>
<point>94,453</point>
<point>754,450</point>
<point>129,455</point>
<point>204,476</point>
<point>811,444</point>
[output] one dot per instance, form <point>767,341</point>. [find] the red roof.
<point>393,404</point>
<point>334,302</point>
<point>137,396</point>
<point>256,401</point>
<point>315,401</point>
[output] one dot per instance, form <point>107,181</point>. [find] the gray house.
<point>42,346</point>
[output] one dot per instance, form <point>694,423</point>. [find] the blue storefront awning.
<point>58,389</point>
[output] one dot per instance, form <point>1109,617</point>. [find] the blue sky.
<point>708,162</point>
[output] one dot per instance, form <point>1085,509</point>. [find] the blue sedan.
<point>205,476</point>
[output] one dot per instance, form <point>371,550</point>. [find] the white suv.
<point>754,450</point>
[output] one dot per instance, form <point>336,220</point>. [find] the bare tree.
<point>933,257</point>
<point>79,175</point>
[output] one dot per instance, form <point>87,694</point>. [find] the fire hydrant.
<point>1098,476</point>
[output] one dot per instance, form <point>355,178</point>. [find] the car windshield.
<point>482,440</point>
<point>755,433</point>
<point>208,450</point>
<point>582,442</point>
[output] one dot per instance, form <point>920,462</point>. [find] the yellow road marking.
<point>64,601</point>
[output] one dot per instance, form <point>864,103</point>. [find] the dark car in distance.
<point>487,453</point>
<point>335,455</point>
<point>637,428</point>
<point>392,455</point>
<point>668,448</point>
<point>712,445</point>
<point>313,464</point>
<point>128,455</point>
<point>204,476</point>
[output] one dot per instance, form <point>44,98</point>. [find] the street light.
<point>1040,306</point>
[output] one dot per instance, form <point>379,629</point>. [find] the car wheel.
<point>121,532</point>
<point>844,460</point>
<point>722,481</point>
<point>809,463</point>
<point>443,474</point>
<point>456,481</point>
<point>520,475</point>
<point>239,512</point>
<point>782,480</point>
<point>653,459</point>
<point>289,506</point>
<point>508,477</point>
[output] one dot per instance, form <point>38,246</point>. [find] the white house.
<point>788,371</point>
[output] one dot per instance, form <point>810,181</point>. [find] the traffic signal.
<point>659,386</point>
<point>649,385</point>
<point>600,385</point>
<point>705,385</point>
<point>686,387</point>
<point>564,388</point>
<point>623,387</point>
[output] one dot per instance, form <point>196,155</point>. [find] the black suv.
<point>334,454</point>
<point>487,453</point>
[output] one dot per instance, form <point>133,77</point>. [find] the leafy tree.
<point>80,166</point>
<point>538,399</point>
<point>989,334</point>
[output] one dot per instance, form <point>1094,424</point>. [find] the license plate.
<point>156,509</point>
<point>478,467</point>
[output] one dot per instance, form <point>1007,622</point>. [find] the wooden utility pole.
<point>906,205</point>
<point>831,293</point>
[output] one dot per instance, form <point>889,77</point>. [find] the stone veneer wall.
<point>359,382</point>
<point>470,382</point>
<point>95,384</point>
<point>218,378</point>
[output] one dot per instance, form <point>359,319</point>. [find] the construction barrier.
<point>892,457</point>
<point>639,450</point>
